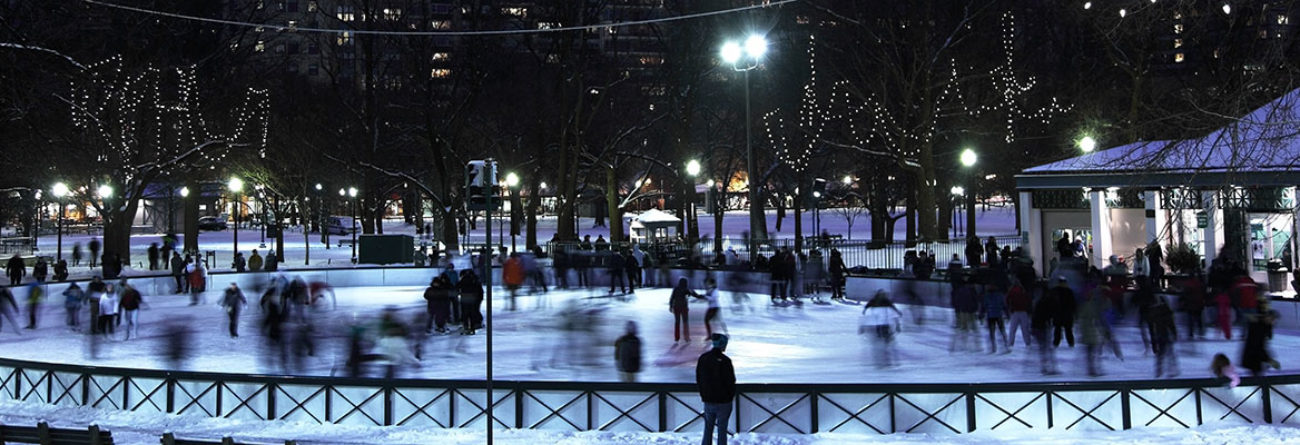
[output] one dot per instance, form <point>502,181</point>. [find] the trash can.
<point>1276,276</point>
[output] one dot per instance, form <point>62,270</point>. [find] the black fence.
<point>856,253</point>
<point>656,407</point>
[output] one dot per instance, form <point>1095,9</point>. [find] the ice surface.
<point>816,343</point>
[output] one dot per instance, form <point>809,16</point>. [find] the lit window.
<point>345,38</point>
<point>392,13</point>
<point>346,14</point>
<point>1178,43</point>
<point>516,12</point>
<point>1282,19</point>
<point>259,47</point>
<point>1178,58</point>
<point>440,73</point>
<point>438,57</point>
<point>440,24</point>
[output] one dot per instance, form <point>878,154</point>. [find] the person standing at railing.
<point>974,252</point>
<point>16,270</point>
<point>716,379</point>
<point>836,269</point>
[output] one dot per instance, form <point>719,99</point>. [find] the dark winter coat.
<point>715,377</point>
<point>1163,328</point>
<point>1063,299</point>
<point>131,299</point>
<point>1044,311</point>
<point>1255,353</point>
<point>16,267</point>
<point>836,269</point>
<point>995,305</point>
<point>627,353</point>
<point>965,300</point>
<point>1018,300</point>
<point>677,301</point>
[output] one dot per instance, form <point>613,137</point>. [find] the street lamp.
<point>968,160</point>
<point>692,170</point>
<point>235,185</point>
<point>1087,144</point>
<point>261,197</point>
<point>744,59</point>
<point>60,190</point>
<point>512,181</point>
<point>352,192</point>
<point>323,220</point>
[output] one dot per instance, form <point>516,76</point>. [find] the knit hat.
<point>719,341</point>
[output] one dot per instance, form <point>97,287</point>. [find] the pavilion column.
<point>1157,222</point>
<point>1031,231</point>
<point>1101,248</point>
<point>1213,231</point>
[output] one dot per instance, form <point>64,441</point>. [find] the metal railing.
<point>658,407</point>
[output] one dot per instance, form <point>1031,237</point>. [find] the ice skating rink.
<point>569,336</point>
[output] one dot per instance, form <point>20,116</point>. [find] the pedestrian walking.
<point>1019,303</point>
<point>995,309</point>
<point>152,253</point>
<point>233,301</point>
<point>76,254</point>
<point>93,246</point>
<point>130,305</point>
<point>627,353</point>
<point>8,307</point>
<point>880,318</point>
<point>108,306</point>
<point>711,314</point>
<point>680,308</point>
<point>1063,319</point>
<point>716,379</point>
<point>836,269</point>
<point>73,297</point>
<point>35,295</point>
<point>15,269</point>
<point>1041,323</point>
<point>1164,333</point>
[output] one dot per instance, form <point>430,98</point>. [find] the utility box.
<point>386,249</point>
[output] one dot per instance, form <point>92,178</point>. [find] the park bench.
<point>44,435</point>
<point>171,439</point>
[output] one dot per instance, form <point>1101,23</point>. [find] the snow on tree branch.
<point>66,57</point>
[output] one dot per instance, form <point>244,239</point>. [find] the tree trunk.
<point>117,227</point>
<point>615,212</point>
<point>910,211</point>
<point>530,211</point>
<point>190,238</point>
<point>944,228</point>
<point>925,203</point>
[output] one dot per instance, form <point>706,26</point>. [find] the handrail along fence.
<point>658,407</point>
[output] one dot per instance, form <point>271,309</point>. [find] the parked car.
<point>212,223</point>
<point>339,225</point>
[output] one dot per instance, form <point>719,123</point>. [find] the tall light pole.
<point>323,221</point>
<point>235,185</point>
<point>352,193</point>
<point>261,198</point>
<point>512,181</point>
<point>746,58</point>
<point>968,160</point>
<point>60,190</point>
<point>692,170</point>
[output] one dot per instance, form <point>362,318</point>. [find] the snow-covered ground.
<point>770,344</point>
<point>139,428</point>
<point>995,221</point>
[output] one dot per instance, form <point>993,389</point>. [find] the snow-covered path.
<point>770,344</point>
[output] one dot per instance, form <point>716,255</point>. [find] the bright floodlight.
<point>542,185</point>
<point>848,179</point>
<point>512,179</point>
<point>968,157</point>
<point>1087,5</point>
<point>731,52</point>
<point>235,184</point>
<point>710,183</point>
<point>318,186</point>
<point>817,194</point>
<point>343,192</point>
<point>1087,144</point>
<point>352,191</point>
<point>756,46</point>
<point>60,190</point>
<point>693,167</point>
<point>104,191</point>
<point>185,192</point>
<point>958,190</point>
<point>1227,9</point>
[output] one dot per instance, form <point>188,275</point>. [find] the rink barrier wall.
<point>931,292</point>
<point>659,407</point>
